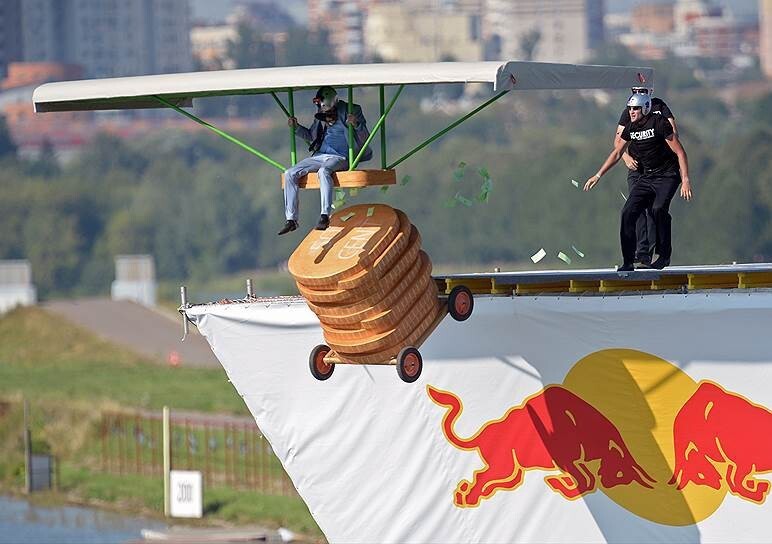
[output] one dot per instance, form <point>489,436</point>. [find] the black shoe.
<point>660,263</point>
<point>627,267</point>
<point>289,226</point>
<point>324,222</point>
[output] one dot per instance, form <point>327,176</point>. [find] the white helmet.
<point>642,101</point>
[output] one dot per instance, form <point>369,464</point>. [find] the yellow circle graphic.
<point>641,395</point>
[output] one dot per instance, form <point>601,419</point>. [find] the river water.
<point>24,523</point>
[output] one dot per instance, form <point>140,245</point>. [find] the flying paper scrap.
<point>563,257</point>
<point>623,196</point>
<point>538,256</point>
<point>577,252</point>
<point>574,183</point>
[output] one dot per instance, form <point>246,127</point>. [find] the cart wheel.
<point>460,303</point>
<point>409,364</point>
<point>319,369</point>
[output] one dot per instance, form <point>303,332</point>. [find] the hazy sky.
<point>213,11</point>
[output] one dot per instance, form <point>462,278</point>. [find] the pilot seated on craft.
<point>328,137</point>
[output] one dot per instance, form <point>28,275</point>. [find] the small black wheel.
<point>409,364</point>
<point>319,369</point>
<point>460,303</point>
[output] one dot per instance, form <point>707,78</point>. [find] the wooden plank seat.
<point>350,178</point>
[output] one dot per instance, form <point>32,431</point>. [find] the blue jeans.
<point>324,165</point>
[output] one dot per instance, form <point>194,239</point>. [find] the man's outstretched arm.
<point>620,146</point>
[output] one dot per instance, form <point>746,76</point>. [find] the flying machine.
<point>178,92</point>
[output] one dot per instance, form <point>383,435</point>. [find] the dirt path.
<point>154,333</point>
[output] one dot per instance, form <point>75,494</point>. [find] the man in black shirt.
<point>664,166</point>
<point>644,228</point>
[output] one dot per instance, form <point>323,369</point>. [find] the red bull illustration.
<point>629,424</point>
<point>716,430</point>
<point>552,430</point>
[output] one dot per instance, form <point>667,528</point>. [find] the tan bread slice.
<point>371,294</point>
<point>387,259</point>
<point>384,340</point>
<point>328,296</point>
<point>389,319</point>
<point>367,291</point>
<point>411,287</point>
<point>417,306</point>
<point>356,237</point>
<point>414,339</point>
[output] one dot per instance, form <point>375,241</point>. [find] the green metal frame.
<point>447,129</point>
<point>380,126</point>
<point>224,134</point>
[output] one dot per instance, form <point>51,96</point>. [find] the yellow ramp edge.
<point>670,282</point>
<point>749,280</point>
<point>583,286</point>
<point>713,281</point>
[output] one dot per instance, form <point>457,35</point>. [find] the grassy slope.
<point>42,356</point>
<point>69,375</point>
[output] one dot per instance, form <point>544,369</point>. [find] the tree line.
<point>494,191</point>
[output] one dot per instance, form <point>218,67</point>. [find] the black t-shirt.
<point>648,144</point>
<point>658,107</point>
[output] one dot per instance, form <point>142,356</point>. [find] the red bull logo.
<point>629,424</point>
<point>721,437</point>
<point>552,430</point>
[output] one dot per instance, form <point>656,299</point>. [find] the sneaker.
<point>289,226</point>
<point>643,262</point>
<point>627,267</point>
<point>660,263</point>
<point>324,222</point>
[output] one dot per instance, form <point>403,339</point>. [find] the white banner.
<point>540,419</point>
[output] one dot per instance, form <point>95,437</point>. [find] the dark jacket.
<point>315,134</point>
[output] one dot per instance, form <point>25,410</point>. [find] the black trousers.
<point>654,192</point>
<point>645,232</point>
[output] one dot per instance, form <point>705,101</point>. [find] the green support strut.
<point>380,125</point>
<point>445,130</point>
<point>222,133</point>
<point>293,149</point>
<point>350,128</point>
<point>382,100</point>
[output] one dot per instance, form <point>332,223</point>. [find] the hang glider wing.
<point>141,92</point>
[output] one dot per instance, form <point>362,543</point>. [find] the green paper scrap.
<point>538,256</point>
<point>577,252</point>
<point>347,216</point>
<point>484,173</point>
<point>463,200</point>
<point>405,180</point>
<point>384,188</point>
<point>451,203</point>
<point>575,183</point>
<point>353,192</point>
<point>563,257</point>
<point>458,174</point>
<point>370,211</point>
<point>485,190</point>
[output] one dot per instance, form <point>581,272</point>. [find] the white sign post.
<point>187,494</point>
